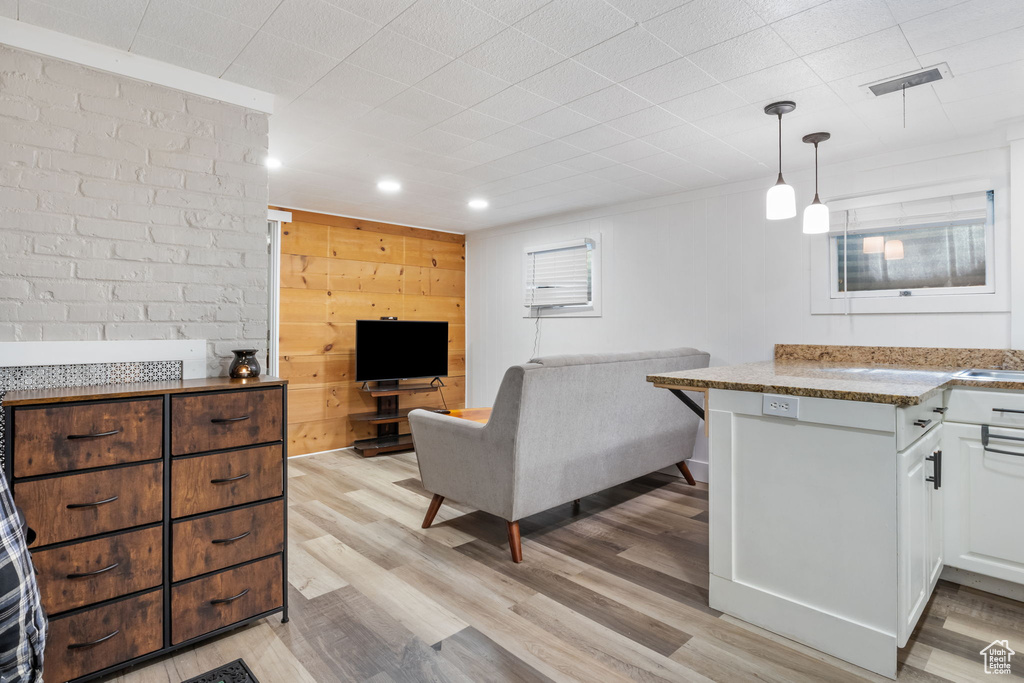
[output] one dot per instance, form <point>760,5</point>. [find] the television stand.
<point>387,417</point>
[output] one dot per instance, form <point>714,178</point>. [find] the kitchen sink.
<point>994,375</point>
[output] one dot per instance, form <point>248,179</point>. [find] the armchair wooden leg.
<point>435,505</point>
<point>514,542</point>
<point>686,473</point>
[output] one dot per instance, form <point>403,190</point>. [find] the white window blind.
<point>559,275</point>
<point>967,207</point>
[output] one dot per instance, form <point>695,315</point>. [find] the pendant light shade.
<point>893,250</point>
<point>781,200</point>
<point>816,214</point>
<point>874,245</point>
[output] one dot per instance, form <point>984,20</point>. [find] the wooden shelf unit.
<point>386,418</point>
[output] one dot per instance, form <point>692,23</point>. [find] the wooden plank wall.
<point>337,270</point>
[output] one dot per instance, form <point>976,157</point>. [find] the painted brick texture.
<point>128,211</point>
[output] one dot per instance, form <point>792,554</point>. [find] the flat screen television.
<point>400,349</point>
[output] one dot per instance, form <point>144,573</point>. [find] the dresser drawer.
<point>212,422</point>
<point>206,604</point>
<point>75,437</point>
<point>212,482</point>
<point>104,636</point>
<point>77,575</point>
<point>78,505</point>
<point>210,543</point>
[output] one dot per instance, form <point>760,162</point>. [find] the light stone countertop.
<point>896,384</point>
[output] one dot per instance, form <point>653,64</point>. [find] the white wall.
<point>705,269</point>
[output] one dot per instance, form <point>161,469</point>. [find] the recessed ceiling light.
<point>389,186</point>
<point>478,203</point>
<point>273,162</point>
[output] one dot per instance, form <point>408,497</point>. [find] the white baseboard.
<point>988,584</point>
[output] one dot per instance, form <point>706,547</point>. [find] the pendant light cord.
<point>815,170</point>
<point>780,144</point>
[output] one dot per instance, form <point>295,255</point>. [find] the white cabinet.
<point>984,505</point>
<point>920,529</point>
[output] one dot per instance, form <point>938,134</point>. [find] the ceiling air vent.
<point>934,73</point>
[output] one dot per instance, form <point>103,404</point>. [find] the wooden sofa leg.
<point>686,473</point>
<point>514,542</point>
<point>435,505</point>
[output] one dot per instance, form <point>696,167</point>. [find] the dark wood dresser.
<point>159,510</point>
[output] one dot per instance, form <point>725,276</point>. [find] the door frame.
<point>275,219</point>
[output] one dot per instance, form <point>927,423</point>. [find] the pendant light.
<point>816,213</point>
<point>781,200</point>
<point>893,250</point>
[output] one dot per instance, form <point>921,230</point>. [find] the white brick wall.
<point>128,211</point>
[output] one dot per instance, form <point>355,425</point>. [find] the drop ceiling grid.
<point>536,102</point>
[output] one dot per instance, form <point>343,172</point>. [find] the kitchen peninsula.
<point>843,480</point>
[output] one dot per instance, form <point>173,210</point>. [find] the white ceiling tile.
<point>566,81</point>
<point>618,172</point>
<point>586,163</point>
<point>743,118</point>
<point>704,103</point>
<point>626,55</point>
<point>327,112</point>
<point>607,104</point>
<point>703,23</point>
<point>553,151</point>
<point>448,26</point>
<point>508,11</point>
<point>832,23</point>
<point>905,10</point>
<point>267,60</point>
<point>669,81</point>
<point>751,52</point>
<point>985,53</point>
<point>690,176</point>
<point>320,26</point>
<point>630,151</point>
<point>867,53</point>
<point>649,184</point>
<point>658,163</point>
<point>516,139</point>
<point>775,81</point>
<point>472,124</point>
<point>559,122</point>
<point>572,26</point>
<point>196,30</point>
<point>511,56</point>
<point>110,22</point>
<point>675,138</point>
<point>416,105</point>
<point>646,121</point>
<point>514,105</point>
<point>461,83</point>
<point>388,125</point>
<point>480,153</point>
<point>397,57</point>
<point>378,11</point>
<point>518,162</point>
<point>598,137</point>
<point>720,158</point>
<point>347,82</point>
<point>773,10</point>
<point>438,141</point>
<point>963,23</point>
<point>644,10</point>
<point>249,12</point>
<point>175,54</point>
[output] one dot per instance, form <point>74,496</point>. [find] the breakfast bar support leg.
<point>435,505</point>
<point>686,473</point>
<point>514,542</point>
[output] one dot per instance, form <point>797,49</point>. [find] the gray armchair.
<point>562,427</point>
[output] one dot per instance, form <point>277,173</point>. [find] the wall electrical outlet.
<point>780,406</point>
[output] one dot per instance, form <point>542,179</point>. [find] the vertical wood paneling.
<point>337,270</point>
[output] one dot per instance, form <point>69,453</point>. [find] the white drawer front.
<point>913,422</point>
<point>986,406</point>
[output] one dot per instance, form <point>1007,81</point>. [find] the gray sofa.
<point>562,427</point>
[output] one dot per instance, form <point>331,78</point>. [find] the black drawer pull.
<point>936,459</point>
<point>222,420</point>
<point>75,506</point>
<point>922,423</point>
<point>223,601</point>
<point>84,575</point>
<point>986,436</point>
<point>75,646</point>
<point>1007,410</point>
<point>229,479</point>
<point>232,539</point>
<point>94,436</point>
<point>940,411</point>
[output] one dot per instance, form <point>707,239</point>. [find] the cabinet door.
<point>919,553</point>
<point>984,501</point>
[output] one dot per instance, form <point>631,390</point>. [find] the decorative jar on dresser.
<point>159,510</point>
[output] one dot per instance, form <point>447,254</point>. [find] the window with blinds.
<point>559,276</point>
<point>929,246</point>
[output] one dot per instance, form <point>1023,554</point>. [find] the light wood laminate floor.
<point>617,592</point>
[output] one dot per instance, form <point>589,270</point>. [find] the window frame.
<point>591,310</point>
